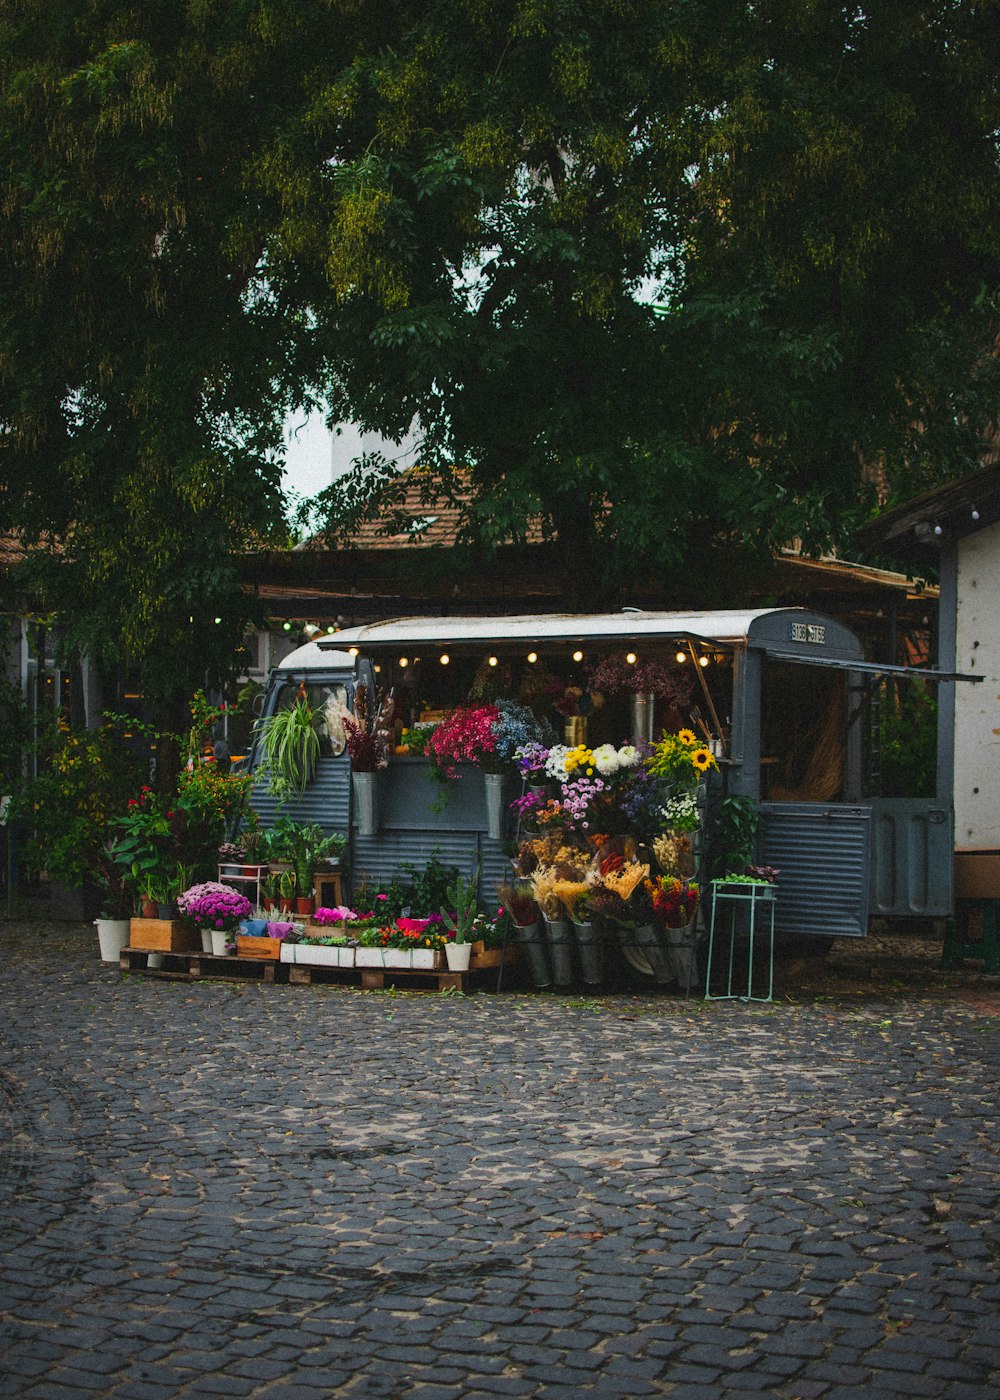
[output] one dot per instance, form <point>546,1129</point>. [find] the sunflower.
<point>702,759</point>
<point>686,736</point>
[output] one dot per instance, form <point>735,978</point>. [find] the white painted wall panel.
<point>977,707</point>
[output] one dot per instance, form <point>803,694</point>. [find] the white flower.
<point>555,764</point>
<point>628,756</point>
<point>606,759</point>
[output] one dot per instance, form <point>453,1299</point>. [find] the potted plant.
<point>286,890</point>
<point>117,898</point>
<point>289,743</point>
<point>368,733</point>
<point>459,919</point>
<point>215,908</point>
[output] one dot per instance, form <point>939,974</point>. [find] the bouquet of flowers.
<point>674,901</point>
<point>615,676</point>
<point>214,906</point>
<point>681,759</point>
<point>466,736</point>
<point>368,732</point>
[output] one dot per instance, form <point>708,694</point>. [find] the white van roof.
<point>309,656</point>
<point>727,627</point>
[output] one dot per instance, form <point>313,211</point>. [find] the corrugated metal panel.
<point>822,851</point>
<point>379,858</point>
<point>326,800</point>
<point>912,850</point>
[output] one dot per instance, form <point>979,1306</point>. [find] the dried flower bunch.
<point>368,731</point>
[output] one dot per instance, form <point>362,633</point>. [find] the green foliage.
<point>214,212</point>
<point>909,741</point>
<point>733,835</point>
<point>83,779</point>
<point>418,892</point>
<point>458,912</point>
<point>290,747</point>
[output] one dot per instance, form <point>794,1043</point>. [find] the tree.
<point>654,274</point>
<point>144,369</point>
<point>809,193</point>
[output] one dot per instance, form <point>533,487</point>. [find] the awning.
<point>874,668</point>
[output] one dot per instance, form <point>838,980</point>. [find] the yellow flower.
<point>702,759</point>
<point>687,736</point>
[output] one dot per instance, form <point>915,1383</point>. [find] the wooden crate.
<point>164,936</point>
<point>258,947</point>
<point>493,957</point>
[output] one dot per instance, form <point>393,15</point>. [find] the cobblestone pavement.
<point>283,1192</point>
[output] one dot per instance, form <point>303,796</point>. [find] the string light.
<point>444,658</point>
<point>631,658</point>
<point>286,626</point>
<point>352,651</point>
<point>702,660</point>
<point>681,657</point>
<point>493,661</point>
<point>403,662</point>
<point>532,657</point>
<point>578,656</point>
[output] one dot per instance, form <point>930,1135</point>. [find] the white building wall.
<point>977,707</point>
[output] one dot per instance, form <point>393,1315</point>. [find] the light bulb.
<point>702,660</point>
<point>403,661</point>
<point>681,657</point>
<point>631,658</point>
<point>444,658</point>
<point>578,656</point>
<point>532,657</point>
<point>352,651</point>
<point>493,661</point>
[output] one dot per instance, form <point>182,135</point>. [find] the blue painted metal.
<point>912,858</point>
<point>822,851</point>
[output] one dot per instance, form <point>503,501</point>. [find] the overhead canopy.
<point>725,628</point>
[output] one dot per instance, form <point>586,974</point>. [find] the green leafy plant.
<point>734,834</point>
<point>459,911</point>
<point>290,747</point>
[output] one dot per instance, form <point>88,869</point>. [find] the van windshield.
<point>332,700</point>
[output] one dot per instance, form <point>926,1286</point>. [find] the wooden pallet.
<point>189,967</point>
<point>373,978</point>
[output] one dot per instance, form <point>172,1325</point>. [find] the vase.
<point>641,708</point>
<point>206,940</point>
<point>218,938</point>
<point>537,954</point>
<point>559,938</point>
<point>365,790</point>
<point>590,946</point>
<point>458,955</point>
<point>494,805</point>
<point>112,936</point>
<point>575,730</point>
<point>647,941</point>
<point>538,790</point>
<point>682,951</point>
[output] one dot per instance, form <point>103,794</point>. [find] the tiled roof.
<point>429,518</point>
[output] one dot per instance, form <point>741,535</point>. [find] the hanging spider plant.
<point>290,746</point>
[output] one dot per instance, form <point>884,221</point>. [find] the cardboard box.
<point>977,874</point>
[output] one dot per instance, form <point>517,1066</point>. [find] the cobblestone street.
<point>280,1192</point>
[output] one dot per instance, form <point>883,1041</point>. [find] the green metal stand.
<point>731,898</point>
<point>956,948</point>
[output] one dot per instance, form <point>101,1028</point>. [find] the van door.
<point>822,850</point>
<point>912,857</point>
